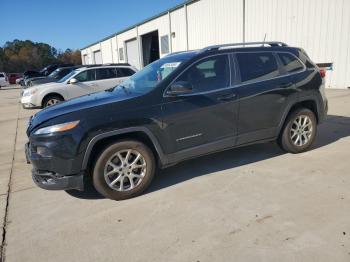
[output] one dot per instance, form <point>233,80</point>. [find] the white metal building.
<point>321,27</point>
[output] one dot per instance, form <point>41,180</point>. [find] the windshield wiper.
<point>113,88</point>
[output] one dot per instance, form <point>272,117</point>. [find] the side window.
<point>2,75</point>
<point>257,66</point>
<point>87,75</point>
<point>208,74</point>
<point>290,63</point>
<point>124,72</point>
<point>105,73</point>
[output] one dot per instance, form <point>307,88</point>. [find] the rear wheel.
<point>299,131</point>
<point>52,100</point>
<point>124,170</point>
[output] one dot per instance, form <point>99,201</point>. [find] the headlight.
<point>57,128</point>
<point>29,92</point>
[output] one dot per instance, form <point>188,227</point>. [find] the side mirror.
<point>73,81</point>
<point>180,88</point>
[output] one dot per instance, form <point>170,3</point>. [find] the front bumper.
<point>28,102</point>
<point>54,172</point>
<point>51,181</point>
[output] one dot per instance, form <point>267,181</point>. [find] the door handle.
<point>227,97</point>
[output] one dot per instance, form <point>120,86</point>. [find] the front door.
<point>86,84</point>
<point>204,120</point>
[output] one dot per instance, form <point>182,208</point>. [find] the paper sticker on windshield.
<point>171,65</point>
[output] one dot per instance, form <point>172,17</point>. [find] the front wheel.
<point>124,170</point>
<point>52,100</point>
<point>299,131</point>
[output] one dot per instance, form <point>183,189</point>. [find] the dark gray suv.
<point>182,106</point>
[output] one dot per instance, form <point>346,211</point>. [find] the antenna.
<point>264,40</point>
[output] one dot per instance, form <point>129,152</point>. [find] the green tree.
<point>19,56</point>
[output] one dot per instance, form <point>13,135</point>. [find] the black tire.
<point>107,154</point>
<point>285,139</point>
<point>48,100</point>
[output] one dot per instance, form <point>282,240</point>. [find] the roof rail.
<point>227,46</point>
<point>108,64</point>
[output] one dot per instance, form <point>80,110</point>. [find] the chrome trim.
<point>188,137</point>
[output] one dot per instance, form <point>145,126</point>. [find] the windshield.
<point>63,79</point>
<point>147,79</point>
<point>54,73</point>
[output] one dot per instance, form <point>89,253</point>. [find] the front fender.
<point>162,157</point>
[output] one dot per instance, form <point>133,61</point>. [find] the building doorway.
<point>150,47</point>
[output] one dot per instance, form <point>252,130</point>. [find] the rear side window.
<point>105,73</point>
<point>257,66</point>
<point>87,75</point>
<point>290,63</point>
<point>2,75</point>
<point>208,74</point>
<point>123,72</point>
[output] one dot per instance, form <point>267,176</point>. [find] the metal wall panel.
<point>213,22</point>
<point>115,57</point>
<point>178,27</point>
<point>122,38</point>
<point>321,27</point>
<point>106,50</point>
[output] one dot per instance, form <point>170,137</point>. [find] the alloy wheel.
<point>52,101</point>
<point>301,130</point>
<point>125,170</point>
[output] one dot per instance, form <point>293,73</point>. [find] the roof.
<point>187,2</point>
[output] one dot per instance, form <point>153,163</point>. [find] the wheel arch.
<point>307,102</point>
<point>140,134</point>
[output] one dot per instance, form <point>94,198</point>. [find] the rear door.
<point>205,120</point>
<point>264,92</point>
<point>106,78</point>
<point>124,73</point>
<point>85,85</point>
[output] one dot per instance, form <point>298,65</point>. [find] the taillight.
<point>323,72</point>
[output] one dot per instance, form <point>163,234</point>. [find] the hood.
<point>78,104</point>
<point>45,85</point>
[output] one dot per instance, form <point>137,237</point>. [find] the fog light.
<point>43,151</point>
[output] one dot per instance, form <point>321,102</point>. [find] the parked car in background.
<point>3,79</point>
<point>82,81</point>
<point>179,107</point>
<point>27,75</point>
<point>13,77</point>
<point>53,77</point>
<point>20,81</point>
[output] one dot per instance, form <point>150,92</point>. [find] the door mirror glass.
<point>73,81</point>
<point>180,88</point>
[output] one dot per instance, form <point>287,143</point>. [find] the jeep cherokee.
<point>182,106</point>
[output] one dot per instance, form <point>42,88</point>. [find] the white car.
<point>82,81</point>
<point>3,79</point>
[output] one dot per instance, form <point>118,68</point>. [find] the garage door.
<point>98,57</point>
<point>132,53</point>
<point>86,60</point>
